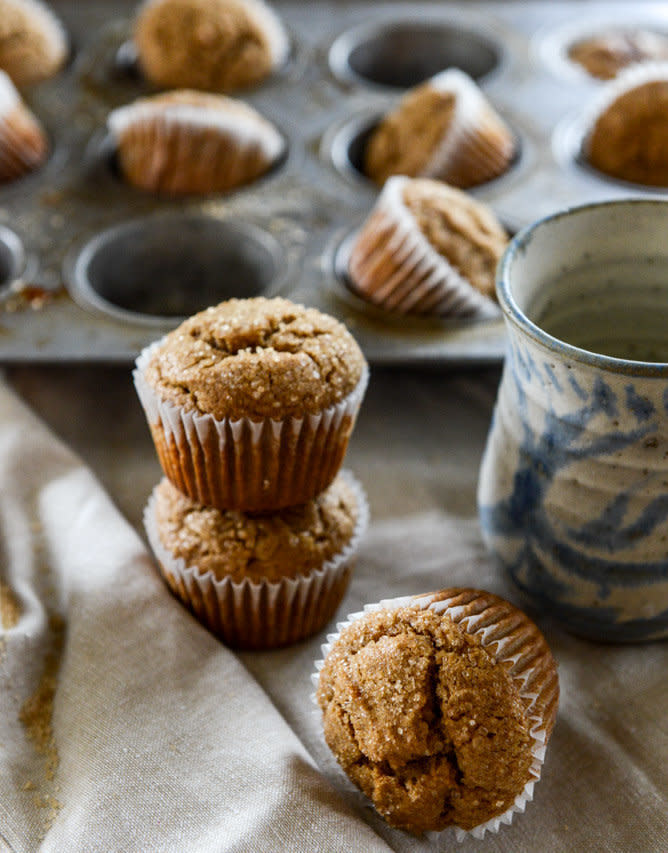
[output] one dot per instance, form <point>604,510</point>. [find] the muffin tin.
<point>93,270</point>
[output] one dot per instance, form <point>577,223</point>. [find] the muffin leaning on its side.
<point>192,142</point>
<point>444,128</point>
<point>427,248</point>
<point>439,708</point>
<point>33,42</point>
<point>259,581</point>
<point>23,144</point>
<point>214,45</point>
<point>251,403</point>
<point>628,126</point>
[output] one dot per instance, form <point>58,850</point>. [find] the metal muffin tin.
<point>93,270</point>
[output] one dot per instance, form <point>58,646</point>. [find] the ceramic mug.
<point>573,487</point>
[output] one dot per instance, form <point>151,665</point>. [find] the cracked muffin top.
<point>238,545</point>
<point>427,721</point>
<point>256,358</point>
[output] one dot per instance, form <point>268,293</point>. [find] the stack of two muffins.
<point>251,405</point>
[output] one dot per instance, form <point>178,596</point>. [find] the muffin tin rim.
<point>78,259</point>
<point>341,46</point>
<point>549,45</point>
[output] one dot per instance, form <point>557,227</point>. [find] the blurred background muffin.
<point>427,248</point>
<point>444,128</point>
<point>628,131</point>
<point>605,54</point>
<point>33,42</point>
<point>192,142</point>
<point>214,45</point>
<point>24,146</point>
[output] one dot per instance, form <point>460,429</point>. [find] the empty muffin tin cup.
<point>12,258</point>
<point>573,486</point>
<point>401,54</point>
<point>164,268</point>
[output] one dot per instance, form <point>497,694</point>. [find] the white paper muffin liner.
<point>265,19</point>
<point>253,614</point>
<point>497,630</point>
<point>54,42</point>
<point>23,143</point>
<point>181,147</point>
<point>393,264</point>
<point>244,464</point>
<point>477,145</point>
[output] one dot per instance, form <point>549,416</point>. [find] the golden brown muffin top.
<point>215,45</point>
<point>463,230</point>
<point>425,719</point>
<point>605,54</point>
<point>629,139</point>
<point>283,544</point>
<point>256,358</point>
<point>406,137</point>
<point>33,45</point>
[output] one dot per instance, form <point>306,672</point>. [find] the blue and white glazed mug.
<point>573,487</point>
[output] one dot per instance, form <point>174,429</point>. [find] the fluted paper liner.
<point>262,615</point>
<point>178,147</point>
<point>244,464</point>
<point>477,145</point>
<point>510,638</point>
<point>393,264</point>
<point>23,143</point>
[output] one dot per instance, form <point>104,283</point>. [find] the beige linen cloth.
<point>125,726</point>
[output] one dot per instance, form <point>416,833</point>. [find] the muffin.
<point>427,248</point>
<point>24,146</point>
<point>444,128</point>
<point>628,135</point>
<point>215,45</point>
<point>259,580</point>
<point>605,54</point>
<point>192,142</point>
<point>439,708</point>
<point>251,403</point>
<point>33,42</point>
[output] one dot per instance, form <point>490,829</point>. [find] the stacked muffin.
<point>251,405</point>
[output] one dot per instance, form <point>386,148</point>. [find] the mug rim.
<point>513,313</point>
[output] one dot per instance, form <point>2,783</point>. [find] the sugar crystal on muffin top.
<point>257,358</point>
<point>430,717</point>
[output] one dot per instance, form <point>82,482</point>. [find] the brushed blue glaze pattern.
<point>573,486</point>
<point>543,455</point>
